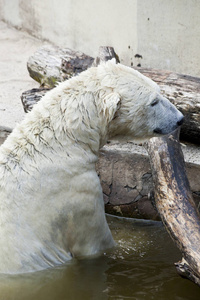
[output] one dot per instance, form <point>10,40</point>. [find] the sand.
<point>15,48</point>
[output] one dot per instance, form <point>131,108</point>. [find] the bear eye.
<point>154,102</point>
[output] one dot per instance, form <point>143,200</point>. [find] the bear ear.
<point>111,104</point>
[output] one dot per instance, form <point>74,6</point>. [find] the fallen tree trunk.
<point>174,202</point>
<point>31,97</point>
<point>105,54</point>
<point>50,64</point>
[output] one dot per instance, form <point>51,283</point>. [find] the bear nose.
<point>180,122</point>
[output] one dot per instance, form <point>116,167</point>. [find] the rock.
<point>119,182</point>
<point>126,179</point>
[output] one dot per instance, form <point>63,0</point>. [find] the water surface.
<point>141,267</point>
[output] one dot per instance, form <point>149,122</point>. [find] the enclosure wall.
<point>165,33</point>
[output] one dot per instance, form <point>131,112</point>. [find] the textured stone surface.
<point>126,179</point>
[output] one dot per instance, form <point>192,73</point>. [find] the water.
<point>141,267</point>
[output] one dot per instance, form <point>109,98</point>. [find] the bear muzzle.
<point>166,130</point>
<point>180,122</point>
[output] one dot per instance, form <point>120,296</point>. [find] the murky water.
<point>140,268</point>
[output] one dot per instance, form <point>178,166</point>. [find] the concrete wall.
<point>165,33</point>
<point>169,34</point>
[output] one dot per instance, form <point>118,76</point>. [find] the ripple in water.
<point>141,267</point>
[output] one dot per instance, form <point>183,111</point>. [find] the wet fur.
<point>52,205</point>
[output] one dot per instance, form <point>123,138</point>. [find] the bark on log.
<point>4,132</point>
<point>31,97</point>
<point>174,202</point>
<point>105,54</point>
<point>50,64</point>
<point>184,92</point>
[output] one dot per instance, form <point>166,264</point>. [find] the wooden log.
<point>184,92</point>
<point>174,202</point>
<point>50,64</point>
<point>105,54</point>
<point>31,97</point>
<point>4,132</point>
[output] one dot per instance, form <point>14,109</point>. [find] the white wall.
<point>169,34</point>
<point>165,32</point>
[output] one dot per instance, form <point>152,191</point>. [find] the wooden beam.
<point>174,202</point>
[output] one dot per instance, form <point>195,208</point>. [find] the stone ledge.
<point>126,179</point>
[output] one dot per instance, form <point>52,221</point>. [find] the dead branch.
<point>174,202</point>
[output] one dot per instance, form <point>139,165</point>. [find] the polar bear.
<point>52,205</point>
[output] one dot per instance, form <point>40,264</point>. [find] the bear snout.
<point>158,131</point>
<point>180,121</point>
<point>168,129</point>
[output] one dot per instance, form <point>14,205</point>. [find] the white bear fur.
<point>52,205</point>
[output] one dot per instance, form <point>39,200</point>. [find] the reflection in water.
<point>141,267</point>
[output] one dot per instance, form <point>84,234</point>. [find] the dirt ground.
<point>15,48</point>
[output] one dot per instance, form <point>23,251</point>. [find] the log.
<point>174,202</point>
<point>4,133</point>
<point>50,65</point>
<point>184,92</point>
<point>31,97</point>
<point>105,54</point>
